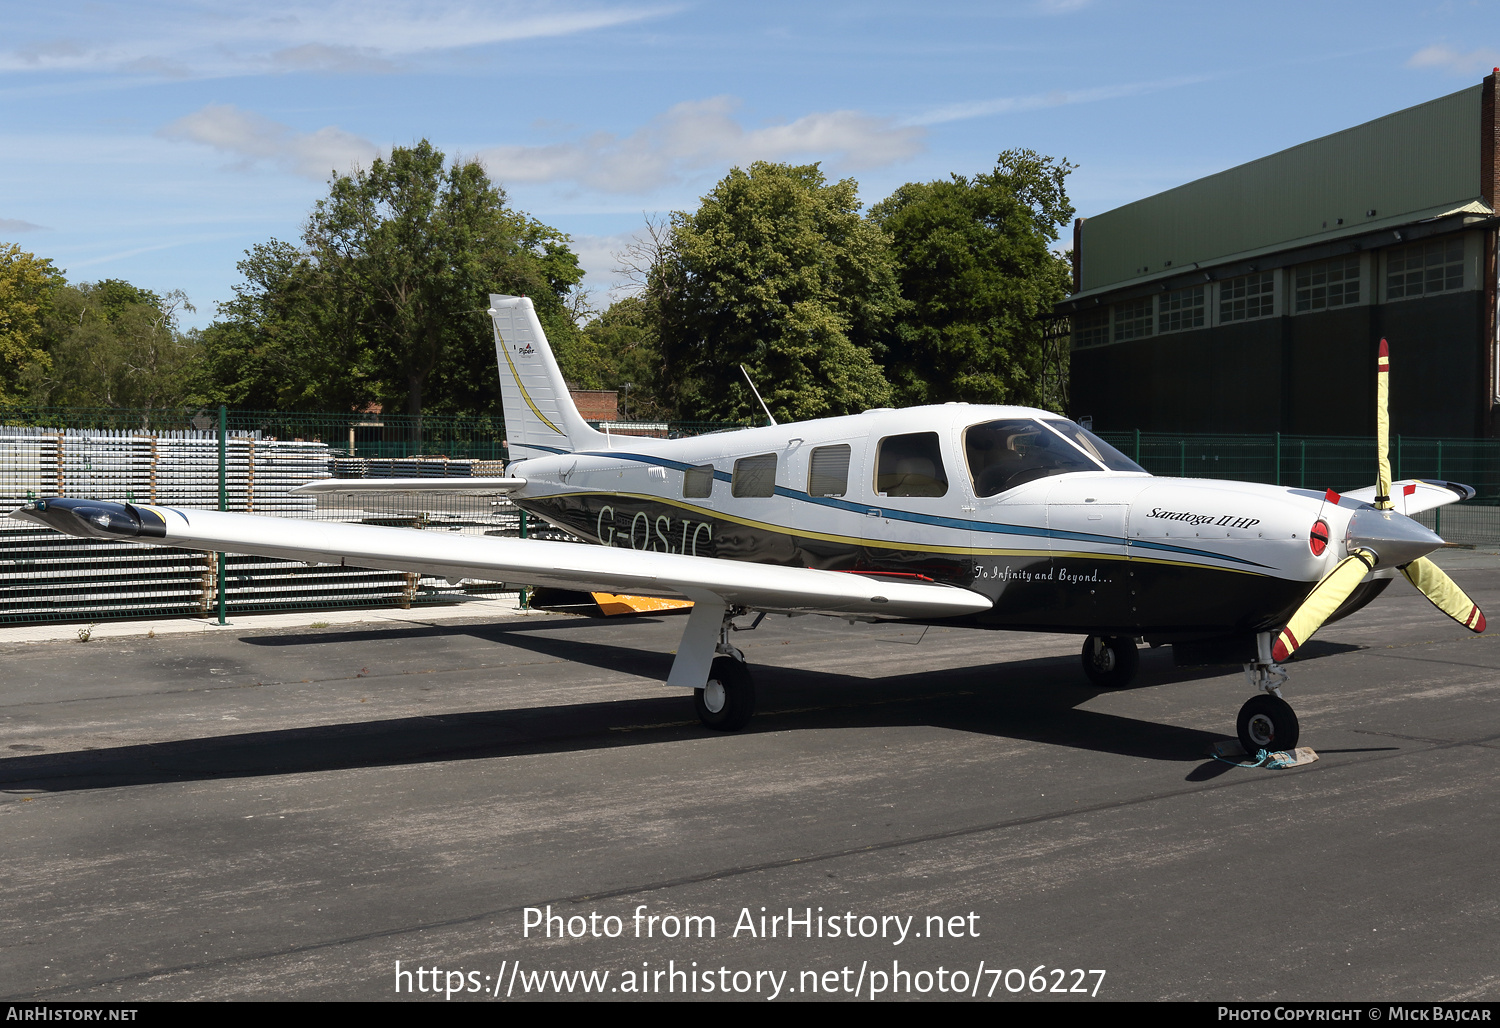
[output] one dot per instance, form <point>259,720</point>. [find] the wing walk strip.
<point>736,872</point>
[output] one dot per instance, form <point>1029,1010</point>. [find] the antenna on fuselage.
<point>757,395</point>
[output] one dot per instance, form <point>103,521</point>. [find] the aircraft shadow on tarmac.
<point>1035,700</point>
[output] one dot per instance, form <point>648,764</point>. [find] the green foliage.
<point>977,271</point>
<point>619,350</point>
<point>284,342</point>
<point>27,286</point>
<point>112,344</point>
<point>386,300</point>
<point>775,270</point>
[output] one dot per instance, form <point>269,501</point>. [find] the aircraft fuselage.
<point>1088,551</point>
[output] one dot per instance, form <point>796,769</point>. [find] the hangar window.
<point>1180,309</point>
<point>910,465</point>
<point>698,482</point>
<point>1435,266</point>
<point>1246,297</point>
<point>1090,328</point>
<point>1011,452</point>
<point>754,476</point>
<point>828,471</point>
<point>1133,319</point>
<point>1327,284</point>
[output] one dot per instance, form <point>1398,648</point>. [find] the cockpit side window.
<point>910,465</point>
<point>1013,451</point>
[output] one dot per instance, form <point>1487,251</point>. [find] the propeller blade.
<point>1444,594</point>
<point>1383,429</point>
<point>1326,597</point>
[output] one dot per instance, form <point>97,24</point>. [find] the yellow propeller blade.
<point>1320,604</point>
<point>1444,594</point>
<point>1383,428</point>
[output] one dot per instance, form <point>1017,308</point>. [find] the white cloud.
<point>1039,101</point>
<point>17,225</point>
<point>699,134</point>
<point>1445,58</point>
<point>215,37</point>
<point>254,138</point>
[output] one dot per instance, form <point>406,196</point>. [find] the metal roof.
<point>1406,166</point>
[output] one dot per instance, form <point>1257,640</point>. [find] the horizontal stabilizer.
<point>1413,495</point>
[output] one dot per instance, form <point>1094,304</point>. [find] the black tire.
<point>1267,723</point>
<point>731,691</point>
<point>1114,665</point>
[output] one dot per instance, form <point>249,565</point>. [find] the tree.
<point>112,344</point>
<point>27,286</point>
<point>778,271</point>
<point>385,301</point>
<point>977,272</point>
<point>289,340</point>
<point>415,247</point>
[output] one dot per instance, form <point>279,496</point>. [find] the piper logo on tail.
<point>527,350</point>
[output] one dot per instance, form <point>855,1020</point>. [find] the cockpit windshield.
<point>1013,451</point>
<point>1097,448</point>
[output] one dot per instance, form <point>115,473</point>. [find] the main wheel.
<point>1110,661</point>
<point>1267,722</point>
<point>727,699</point>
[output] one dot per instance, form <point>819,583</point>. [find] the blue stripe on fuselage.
<point>931,519</point>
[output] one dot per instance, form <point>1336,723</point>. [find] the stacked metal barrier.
<point>48,576</point>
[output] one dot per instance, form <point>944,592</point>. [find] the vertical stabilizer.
<point>540,416</point>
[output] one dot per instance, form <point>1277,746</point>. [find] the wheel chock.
<point>1231,752</point>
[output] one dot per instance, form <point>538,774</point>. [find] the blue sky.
<point>156,142</point>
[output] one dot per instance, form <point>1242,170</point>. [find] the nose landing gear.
<point>1266,721</point>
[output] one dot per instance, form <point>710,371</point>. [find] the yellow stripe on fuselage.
<point>847,540</point>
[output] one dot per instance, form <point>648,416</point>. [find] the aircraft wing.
<point>395,486</point>
<point>533,562</point>
<point>1414,495</point>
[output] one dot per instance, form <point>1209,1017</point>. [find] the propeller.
<point>1374,538</point>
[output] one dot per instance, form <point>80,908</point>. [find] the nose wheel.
<point>1268,723</point>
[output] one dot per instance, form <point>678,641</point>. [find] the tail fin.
<point>540,417</point>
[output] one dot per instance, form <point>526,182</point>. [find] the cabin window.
<point>698,482</point>
<point>828,471</point>
<point>1011,452</point>
<point>754,476</point>
<point>910,465</point>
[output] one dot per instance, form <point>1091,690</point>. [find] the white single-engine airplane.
<point>990,517</point>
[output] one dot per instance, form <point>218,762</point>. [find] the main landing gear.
<point>1266,721</point>
<point>714,668</point>
<point>1110,661</point>
<point>727,701</point>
